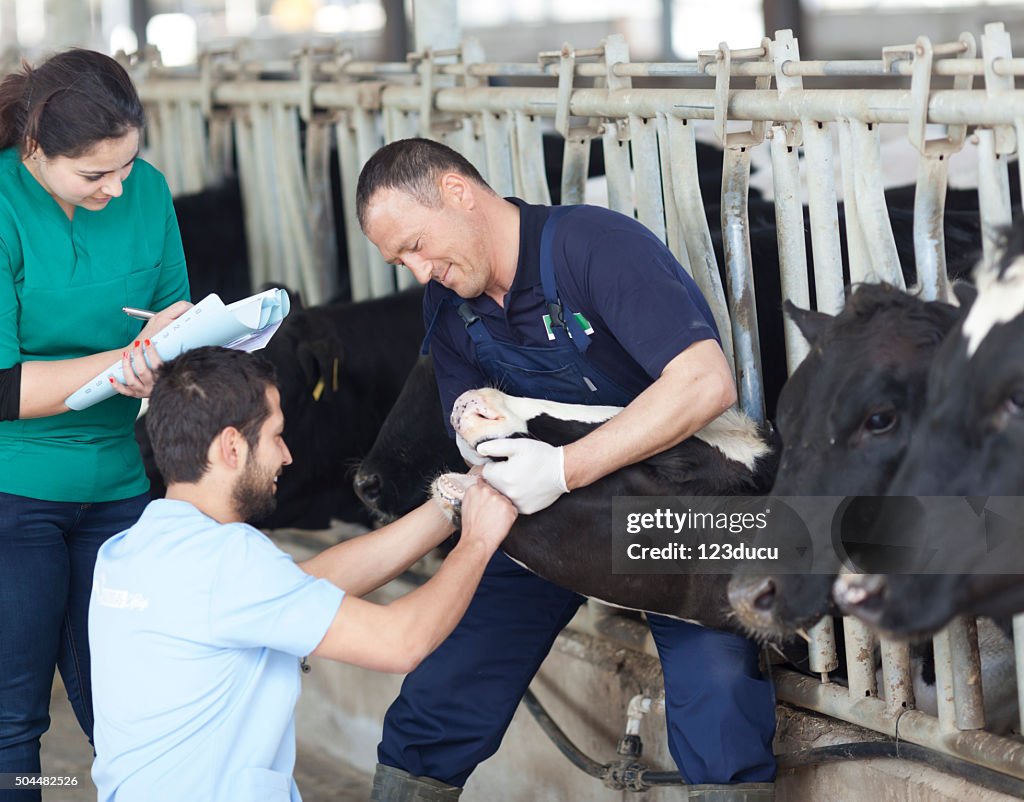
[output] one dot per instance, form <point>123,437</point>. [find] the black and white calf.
<point>969,444</point>
<point>569,543</point>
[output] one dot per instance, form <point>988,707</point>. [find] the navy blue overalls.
<point>453,710</point>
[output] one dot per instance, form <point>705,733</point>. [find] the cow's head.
<point>845,417</point>
<point>968,444</point>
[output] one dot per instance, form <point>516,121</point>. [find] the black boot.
<point>740,792</point>
<point>395,785</point>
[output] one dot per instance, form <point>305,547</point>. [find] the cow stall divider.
<point>277,122</point>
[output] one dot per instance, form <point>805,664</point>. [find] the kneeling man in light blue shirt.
<point>198,622</point>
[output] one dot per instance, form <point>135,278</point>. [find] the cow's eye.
<point>1014,403</point>
<point>880,422</point>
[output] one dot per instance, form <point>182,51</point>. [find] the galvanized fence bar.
<point>575,165</point>
<point>650,207</point>
<point>789,221</point>
<point>740,280</point>
<point>528,160</point>
<point>896,675</point>
<point>689,206</point>
<point>872,214</point>
<point>823,213</point>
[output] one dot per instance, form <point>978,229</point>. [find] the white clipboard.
<point>246,325</point>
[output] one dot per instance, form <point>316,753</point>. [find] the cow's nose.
<point>763,595</point>
<point>756,594</point>
<point>464,404</point>
<point>368,488</point>
<point>862,595</point>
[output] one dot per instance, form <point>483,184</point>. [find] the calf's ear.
<point>965,294</point>
<point>810,323</point>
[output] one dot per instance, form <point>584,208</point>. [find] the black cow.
<point>340,368</point>
<point>212,224</point>
<point>969,444</point>
<point>395,476</point>
<point>845,418</point>
<point>729,456</point>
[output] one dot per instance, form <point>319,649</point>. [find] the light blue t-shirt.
<point>196,630</point>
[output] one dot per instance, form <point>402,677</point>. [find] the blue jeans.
<point>47,554</point>
<point>453,710</point>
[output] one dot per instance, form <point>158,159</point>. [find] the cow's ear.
<point>965,294</point>
<point>810,323</point>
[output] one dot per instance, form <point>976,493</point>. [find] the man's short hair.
<point>412,166</point>
<point>196,396</point>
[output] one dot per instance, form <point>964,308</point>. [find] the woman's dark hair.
<point>196,396</point>
<point>67,104</point>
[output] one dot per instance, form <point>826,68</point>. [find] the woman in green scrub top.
<point>86,228</point>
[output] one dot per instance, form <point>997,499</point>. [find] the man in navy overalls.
<point>579,305</point>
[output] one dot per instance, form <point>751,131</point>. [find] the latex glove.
<point>533,475</point>
<point>470,454</point>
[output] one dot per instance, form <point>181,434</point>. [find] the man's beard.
<point>254,495</point>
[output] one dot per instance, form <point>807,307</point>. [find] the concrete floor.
<point>66,752</point>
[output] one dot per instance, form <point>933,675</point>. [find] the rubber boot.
<point>740,792</point>
<point>395,785</point>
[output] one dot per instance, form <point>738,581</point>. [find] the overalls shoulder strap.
<point>569,324</point>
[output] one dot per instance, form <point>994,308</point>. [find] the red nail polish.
<point>110,379</point>
<point>148,343</point>
<point>124,355</point>
<point>136,344</point>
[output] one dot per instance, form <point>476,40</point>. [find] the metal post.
<point>824,217</point>
<point>694,224</point>
<point>789,219</point>
<point>896,678</point>
<point>860,659</point>
<point>647,175</point>
<point>739,273</point>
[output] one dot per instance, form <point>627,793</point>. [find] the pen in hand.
<point>138,314</point>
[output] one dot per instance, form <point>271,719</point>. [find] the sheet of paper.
<point>246,325</point>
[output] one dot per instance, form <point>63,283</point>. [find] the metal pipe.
<point>694,224</point>
<point>575,163</point>
<point>789,219</point>
<point>860,661</point>
<point>824,217</point>
<point>868,105</point>
<point>871,208</point>
<point>740,280</point>
<point>616,168</point>
<point>982,748</point>
<point>967,690</point>
<point>929,236</point>
<point>821,650</point>
<point>993,193</point>
<point>650,207</point>
<point>896,678</point>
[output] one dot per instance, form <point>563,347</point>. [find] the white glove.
<point>532,477</point>
<point>469,453</point>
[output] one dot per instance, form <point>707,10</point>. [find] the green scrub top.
<point>62,285</point>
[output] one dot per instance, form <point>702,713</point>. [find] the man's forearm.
<point>694,389</point>
<point>364,563</point>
